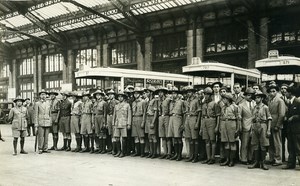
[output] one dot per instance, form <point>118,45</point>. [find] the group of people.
<point>138,122</point>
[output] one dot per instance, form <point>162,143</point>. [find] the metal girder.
<point>39,23</point>
<point>102,15</point>
<point>124,8</point>
<point>31,36</point>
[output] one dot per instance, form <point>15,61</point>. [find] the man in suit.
<point>246,107</point>
<point>283,91</point>
<point>293,128</point>
<point>277,110</point>
<point>42,121</point>
<point>237,96</point>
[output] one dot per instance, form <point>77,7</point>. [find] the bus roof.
<point>215,70</point>
<point>117,73</point>
<point>279,65</point>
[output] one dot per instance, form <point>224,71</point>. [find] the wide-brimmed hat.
<point>260,94</point>
<point>150,88</point>
<point>129,87</point>
<point>121,93</point>
<point>86,93</point>
<point>98,92</point>
<point>27,99</point>
<point>53,92</point>
<point>65,93</point>
<point>19,98</point>
<point>228,96</point>
<point>217,83</point>
<point>208,90</point>
<point>190,88</point>
<point>79,94</point>
<point>162,89</point>
<point>173,89</point>
<point>43,91</point>
<point>111,91</point>
<point>138,89</point>
<point>249,90</point>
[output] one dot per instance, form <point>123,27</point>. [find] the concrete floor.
<point>66,168</point>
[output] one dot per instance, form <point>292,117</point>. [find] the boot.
<point>176,152</point>
<point>118,147</point>
<point>109,144</point>
<point>55,143</point>
<point>208,153</point>
<point>102,141</point>
<point>154,147</point>
<point>22,142</point>
<point>256,160</point>
<point>263,158</point>
<point>86,144</point>
<point>65,145</point>
<point>15,143</point>
<point>179,157</point>
<point>151,150</point>
<point>196,152</point>
<point>227,154</point>
<point>113,152</point>
<point>191,156</point>
<point>123,151</point>
<point>137,150</point>
<point>69,145</point>
<point>142,146</point>
<point>232,158</point>
<point>79,144</point>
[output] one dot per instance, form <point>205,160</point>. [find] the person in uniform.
<point>86,122</point>
<point>209,124</point>
<point>18,116</point>
<point>138,122</point>
<point>30,108</point>
<point>54,106</point>
<point>130,141</point>
<point>64,115</point>
<point>277,109</point>
<point>111,103</point>
<point>43,121</point>
<point>260,131</point>
<point>75,119</point>
<point>230,121</point>
<point>151,122</point>
<point>121,123</point>
<point>163,120</point>
<point>246,108</point>
<point>177,110</point>
<point>100,120</point>
<point>192,121</point>
<point>293,128</point>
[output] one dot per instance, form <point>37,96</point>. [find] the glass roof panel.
<point>16,21</point>
<point>92,3</point>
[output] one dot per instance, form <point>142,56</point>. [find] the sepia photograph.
<point>149,92</point>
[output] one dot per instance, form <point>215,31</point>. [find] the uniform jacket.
<point>19,117</point>
<point>246,114</point>
<point>76,108</point>
<point>294,113</point>
<point>111,106</point>
<point>42,114</point>
<point>122,115</point>
<point>164,106</point>
<point>277,110</point>
<point>65,108</point>
<point>177,107</point>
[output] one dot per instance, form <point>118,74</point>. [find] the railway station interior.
<point>81,44</point>
<point>44,42</point>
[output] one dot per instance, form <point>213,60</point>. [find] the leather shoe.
<point>287,167</point>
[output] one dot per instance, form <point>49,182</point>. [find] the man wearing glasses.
<point>277,109</point>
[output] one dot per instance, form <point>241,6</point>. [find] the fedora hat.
<point>249,90</point>
<point>259,94</point>
<point>43,91</point>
